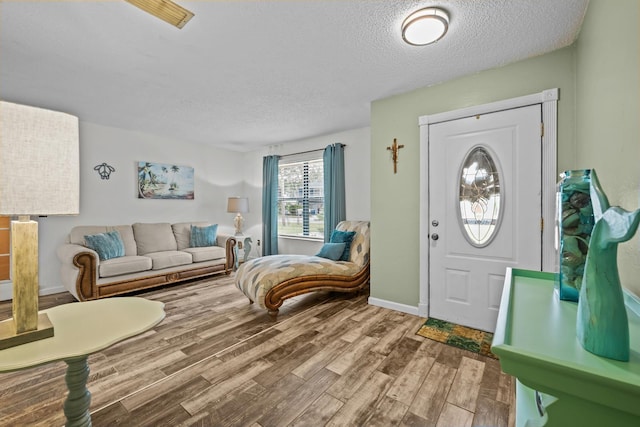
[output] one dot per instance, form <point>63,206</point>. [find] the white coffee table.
<point>80,329</point>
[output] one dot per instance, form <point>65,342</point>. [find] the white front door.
<point>485,185</point>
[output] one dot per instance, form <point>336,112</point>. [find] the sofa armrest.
<point>228,242</point>
<point>79,270</point>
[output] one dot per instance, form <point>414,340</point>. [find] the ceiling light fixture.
<point>425,26</point>
<point>166,10</point>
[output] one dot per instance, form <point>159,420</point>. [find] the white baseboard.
<point>55,290</point>
<point>394,306</point>
<point>423,310</point>
<point>6,292</point>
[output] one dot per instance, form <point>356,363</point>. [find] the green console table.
<point>558,382</point>
<point>80,329</point>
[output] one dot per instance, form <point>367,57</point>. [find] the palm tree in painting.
<point>174,170</point>
<point>143,171</point>
<point>143,177</point>
<point>146,179</point>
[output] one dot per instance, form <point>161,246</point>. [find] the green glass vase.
<point>574,225</point>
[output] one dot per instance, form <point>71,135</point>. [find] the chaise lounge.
<point>270,280</point>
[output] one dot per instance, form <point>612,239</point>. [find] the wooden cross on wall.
<point>394,154</point>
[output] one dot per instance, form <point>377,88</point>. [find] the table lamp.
<point>39,175</point>
<point>238,205</point>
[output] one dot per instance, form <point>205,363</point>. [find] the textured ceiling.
<point>242,74</point>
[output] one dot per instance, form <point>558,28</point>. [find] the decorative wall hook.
<point>104,170</point>
<point>394,154</point>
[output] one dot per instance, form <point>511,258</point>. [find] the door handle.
<point>435,236</point>
<point>539,404</point>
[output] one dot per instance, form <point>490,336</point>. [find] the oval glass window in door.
<point>480,197</point>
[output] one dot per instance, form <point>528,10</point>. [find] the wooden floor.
<point>215,360</point>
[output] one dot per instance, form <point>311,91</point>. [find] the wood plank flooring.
<point>216,360</point>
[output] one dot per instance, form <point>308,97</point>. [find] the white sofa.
<point>155,254</point>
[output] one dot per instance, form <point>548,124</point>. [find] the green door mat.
<point>458,336</point>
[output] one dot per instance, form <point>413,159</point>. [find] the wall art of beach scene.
<point>164,181</point>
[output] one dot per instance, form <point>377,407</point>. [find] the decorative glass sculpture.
<point>574,224</point>
<point>602,324</point>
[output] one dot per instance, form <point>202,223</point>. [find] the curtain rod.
<point>305,152</point>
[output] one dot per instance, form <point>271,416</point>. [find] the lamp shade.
<point>39,161</point>
<point>238,204</point>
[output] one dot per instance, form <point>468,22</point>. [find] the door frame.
<point>548,99</point>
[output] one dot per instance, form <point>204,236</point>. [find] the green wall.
<point>599,72</point>
<point>395,198</point>
<point>608,113</point>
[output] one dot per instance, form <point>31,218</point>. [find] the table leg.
<point>76,407</point>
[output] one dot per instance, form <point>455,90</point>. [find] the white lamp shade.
<point>238,204</point>
<point>39,161</point>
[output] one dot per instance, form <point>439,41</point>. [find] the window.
<point>301,196</point>
<point>480,195</point>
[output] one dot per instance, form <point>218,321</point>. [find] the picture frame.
<point>165,181</point>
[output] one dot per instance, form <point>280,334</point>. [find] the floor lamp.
<point>39,175</point>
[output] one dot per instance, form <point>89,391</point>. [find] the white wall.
<point>218,175</point>
<point>357,158</point>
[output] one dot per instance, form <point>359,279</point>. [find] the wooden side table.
<point>81,329</point>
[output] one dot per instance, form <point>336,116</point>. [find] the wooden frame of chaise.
<point>270,280</point>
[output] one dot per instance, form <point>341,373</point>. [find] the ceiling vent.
<point>166,10</point>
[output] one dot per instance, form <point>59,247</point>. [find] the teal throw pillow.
<point>108,245</point>
<point>203,236</point>
<point>332,251</point>
<point>345,237</point>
